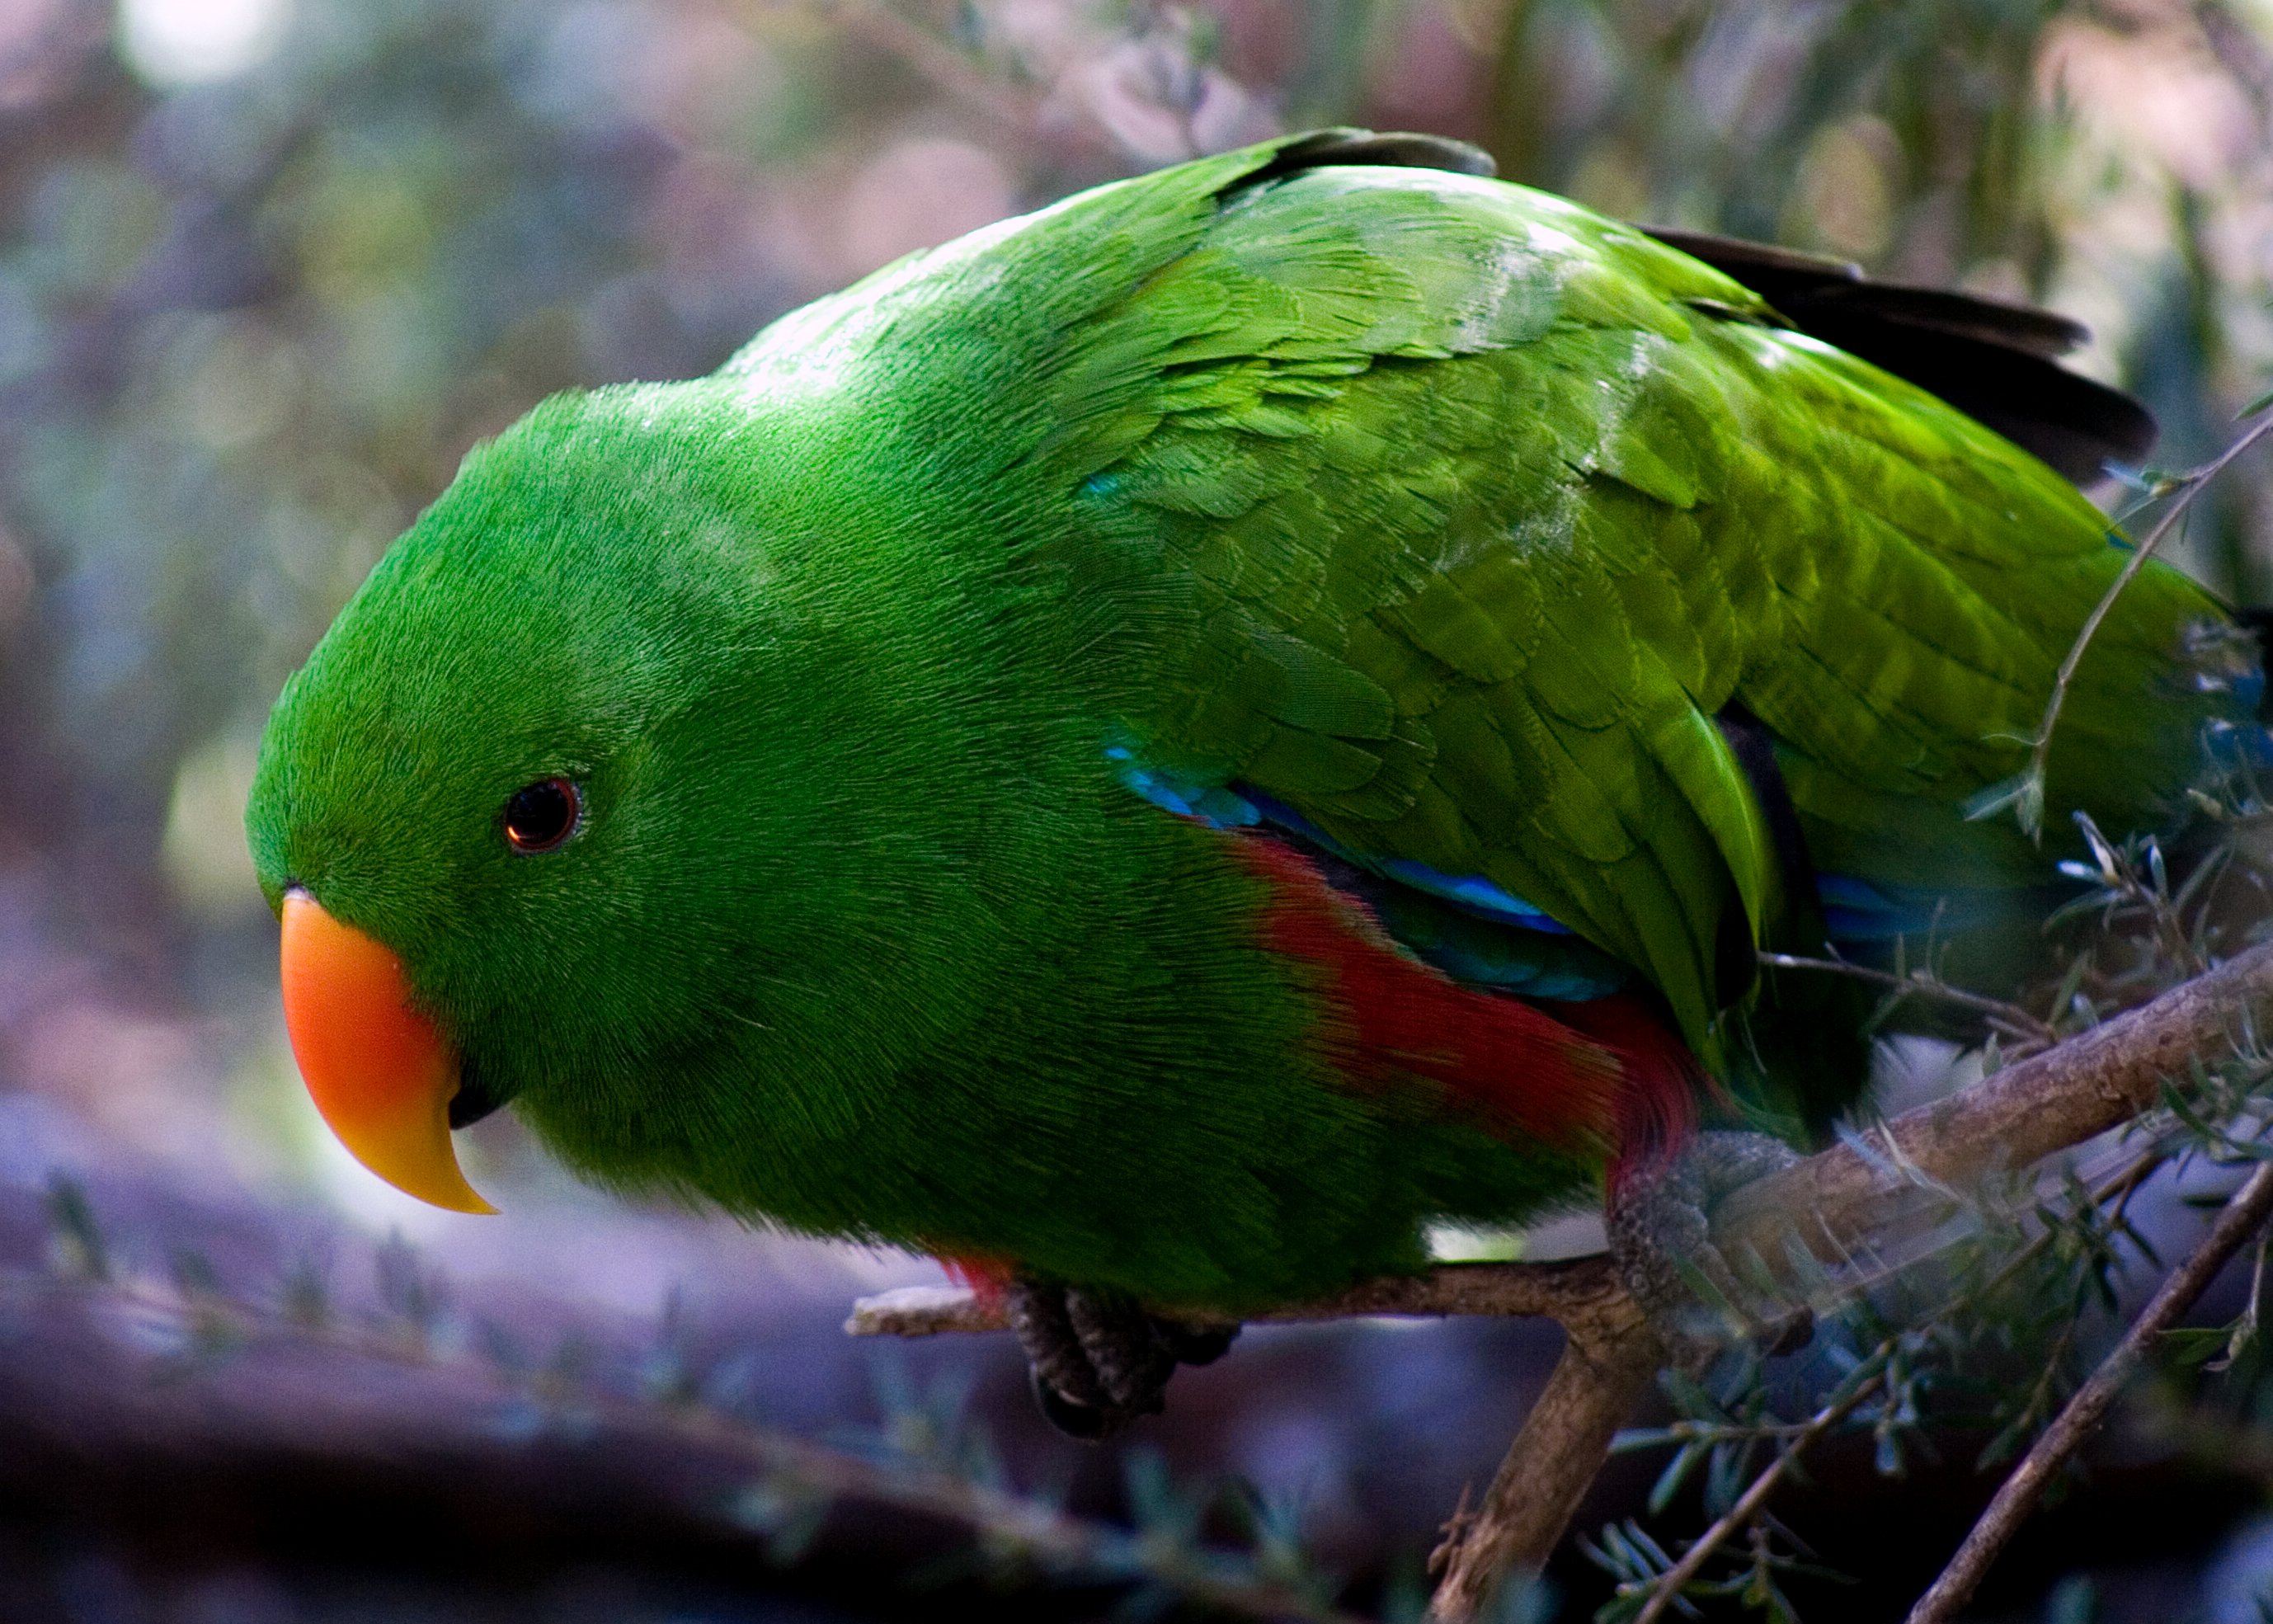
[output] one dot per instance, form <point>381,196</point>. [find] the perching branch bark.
<point>2023,1114</point>
<point>2027,1111</point>
<point>1829,1202</point>
<point>1611,1355</point>
<point>1576,1291</point>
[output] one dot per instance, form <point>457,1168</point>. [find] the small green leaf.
<point>2023,795</point>
<point>2195,1345</point>
<point>1676,1473</point>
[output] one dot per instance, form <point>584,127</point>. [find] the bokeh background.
<point>268,268</point>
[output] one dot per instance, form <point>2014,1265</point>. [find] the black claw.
<point>1037,1313</point>
<point>1079,1422</point>
<point>1098,1359</point>
<point>1125,1353</point>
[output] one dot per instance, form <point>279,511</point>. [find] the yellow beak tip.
<point>381,1073</point>
<point>437,1183</point>
<point>470,1203</point>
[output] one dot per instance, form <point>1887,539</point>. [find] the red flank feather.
<point>987,1279</point>
<point>1614,1081</point>
<point>1657,1105</point>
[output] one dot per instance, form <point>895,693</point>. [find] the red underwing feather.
<point>1660,1079</point>
<point>1616,1074</point>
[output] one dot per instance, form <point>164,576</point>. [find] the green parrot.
<point>1160,748</point>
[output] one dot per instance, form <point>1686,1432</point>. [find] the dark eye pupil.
<point>541,816</point>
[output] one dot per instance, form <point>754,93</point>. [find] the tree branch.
<point>1555,1459</point>
<point>242,1379</point>
<point>2023,1114</point>
<point>1577,1292</point>
<point>2085,1413</point>
<point>1609,1357</point>
<point>2030,1109</point>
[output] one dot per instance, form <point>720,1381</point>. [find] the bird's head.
<point>589,784</point>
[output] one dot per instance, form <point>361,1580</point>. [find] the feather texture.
<point>1089,737</point>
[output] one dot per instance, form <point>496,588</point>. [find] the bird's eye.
<point>540,817</point>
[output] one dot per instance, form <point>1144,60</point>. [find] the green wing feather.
<point>1479,507</point>
<point>1450,514</point>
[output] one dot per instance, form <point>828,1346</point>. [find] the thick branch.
<point>244,1388</point>
<point>1603,1374</point>
<point>1609,1359</point>
<point>2026,1112</point>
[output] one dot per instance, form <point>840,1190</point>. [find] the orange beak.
<point>379,1072</point>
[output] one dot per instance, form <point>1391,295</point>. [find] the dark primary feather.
<point>1396,149</point>
<point>1993,361</point>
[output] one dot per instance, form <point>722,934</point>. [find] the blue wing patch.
<point>1457,922</point>
<point>1212,804</point>
<point>1855,911</point>
<point>1229,806</point>
<point>1858,911</point>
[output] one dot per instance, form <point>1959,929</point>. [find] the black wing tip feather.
<point>1395,149</point>
<point>1766,261</point>
<point>1789,276</point>
<point>1994,360</point>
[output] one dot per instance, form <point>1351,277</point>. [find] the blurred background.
<point>268,268</point>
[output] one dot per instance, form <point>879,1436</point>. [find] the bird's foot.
<point>1098,1359</point>
<point>1661,1234</point>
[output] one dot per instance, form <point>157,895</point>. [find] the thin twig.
<point>2085,1413</point>
<point>777,1461</point>
<point>2033,1027</point>
<point>1571,1291</point>
<point>1669,1585</point>
<point>2186,488</point>
<point>2118,1188</point>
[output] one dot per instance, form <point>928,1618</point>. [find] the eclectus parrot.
<point>1161,747</point>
